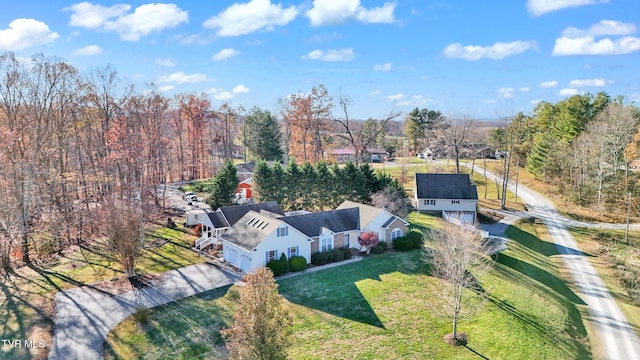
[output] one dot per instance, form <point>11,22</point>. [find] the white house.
<point>451,195</point>
<point>378,220</point>
<point>258,238</point>
<point>216,223</point>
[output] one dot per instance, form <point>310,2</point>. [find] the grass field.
<point>382,307</point>
<point>27,295</point>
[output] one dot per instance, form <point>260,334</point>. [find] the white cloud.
<point>541,7</point>
<point>489,101</point>
<point>589,46</point>
<point>396,97</point>
<point>331,55</point>
<point>182,78</point>
<point>575,41</point>
<point>506,92</point>
<point>166,88</point>
<point>88,50</point>
<point>242,19</point>
<point>330,12</point>
<point>225,54</point>
<point>375,92</point>
<point>240,89</point>
<point>548,84</point>
<point>525,89</point>
<point>568,92</point>
<point>587,83</point>
<point>383,67</point>
<point>166,62</point>
<point>604,27</point>
<point>144,20</point>
<point>223,96</point>
<point>497,51</point>
<point>25,33</point>
<point>534,102</point>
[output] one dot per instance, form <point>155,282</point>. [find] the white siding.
<point>281,245</point>
<point>447,205</point>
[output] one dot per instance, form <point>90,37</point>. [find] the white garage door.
<point>245,263</point>
<point>232,256</point>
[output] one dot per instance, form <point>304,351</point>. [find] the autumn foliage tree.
<point>261,324</point>
<point>368,239</point>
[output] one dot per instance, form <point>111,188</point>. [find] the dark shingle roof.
<point>217,219</point>
<point>234,213</point>
<point>445,186</point>
<point>334,220</point>
<point>246,168</point>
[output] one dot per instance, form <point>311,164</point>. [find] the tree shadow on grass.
<point>335,291</point>
<point>542,247</point>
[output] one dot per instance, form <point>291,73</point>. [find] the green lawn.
<point>27,295</point>
<point>382,307</point>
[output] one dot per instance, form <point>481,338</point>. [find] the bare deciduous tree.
<point>455,133</point>
<point>124,223</point>
<point>262,324</point>
<point>458,259</point>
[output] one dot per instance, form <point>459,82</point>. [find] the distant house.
<point>216,223</point>
<point>245,171</point>
<point>257,238</point>
<point>388,226</point>
<point>450,195</point>
<point>244,193</point>
<point>348,154</point>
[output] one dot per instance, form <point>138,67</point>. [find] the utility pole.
<point>626,232</point>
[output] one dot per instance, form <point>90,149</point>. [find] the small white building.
<point>450,195</point>
<point>194,216</point>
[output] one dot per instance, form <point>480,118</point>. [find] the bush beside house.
<point>277,267</point>
<point>297,263</point>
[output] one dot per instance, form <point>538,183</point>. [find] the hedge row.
<point>330,256</point>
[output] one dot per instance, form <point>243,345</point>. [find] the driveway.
<point>85,315</point>
<point>618,338</point>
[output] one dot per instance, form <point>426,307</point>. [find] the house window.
<point>271,255</point>
<point>326,244</point>
<point>196,216</point>
<point>346,240</point>
<point>396,233</point>
<point>424,202</point>
<point>283,231</point>
<point>455,201</point>
<point>293,251</point>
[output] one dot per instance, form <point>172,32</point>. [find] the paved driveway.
<point>618,338</point>
<point>85,315</point>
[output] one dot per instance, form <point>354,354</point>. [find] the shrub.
<point>276,266</point>
<point>383,245</point>
<point>403,244</point>
<point>284,260</point>
<point>142,315</point>
<point>416,239</point>
<point>347,253</point>
<point>368,239</point>
<point>336,255</point>
<point>320,258</point>
<point>377,249</point>
<point>298,263</point>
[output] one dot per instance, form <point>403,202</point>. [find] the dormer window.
<point>283,231</point>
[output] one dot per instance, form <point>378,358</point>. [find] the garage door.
<point>245,263</point>
<point>232,256</point>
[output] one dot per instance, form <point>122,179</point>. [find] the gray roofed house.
<point>251,229</point>
<point>451,195</point>
<point>217,222</point>
<point>378,220</point>
<point>335,220</point>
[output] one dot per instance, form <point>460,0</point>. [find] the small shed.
<point>194,216</point>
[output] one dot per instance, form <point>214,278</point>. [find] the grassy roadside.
<point>381,307</point>
<point>27,306</point>
<point>615,261</point>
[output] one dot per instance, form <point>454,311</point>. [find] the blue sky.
<point>486,59</point>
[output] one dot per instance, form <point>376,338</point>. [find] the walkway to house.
<point>85,315</point>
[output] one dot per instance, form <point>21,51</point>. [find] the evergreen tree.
<point>262,135</point>
<point>224,187</point>
<point>263,182</point>
<point>292,177</point>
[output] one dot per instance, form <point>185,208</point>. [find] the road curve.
<point>618,338</point>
